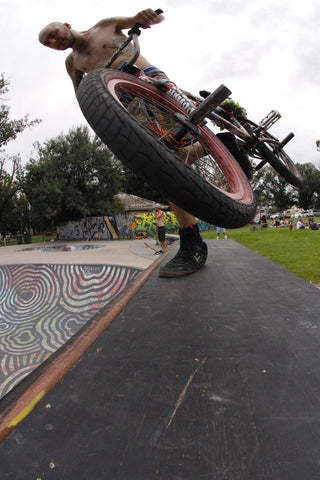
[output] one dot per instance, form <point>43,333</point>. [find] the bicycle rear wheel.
<point>136,122</point>
<point>268,150</point>
<point>282,163</point>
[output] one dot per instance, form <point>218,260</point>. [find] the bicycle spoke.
<point>162,122</point>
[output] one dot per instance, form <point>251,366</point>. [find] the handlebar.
<point>133,34</point>
<point>135,30</point>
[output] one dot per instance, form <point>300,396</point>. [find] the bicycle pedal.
<point>204,93</point>
<point>270,119</point>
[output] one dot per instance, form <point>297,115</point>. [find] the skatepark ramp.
<point>213,375</point>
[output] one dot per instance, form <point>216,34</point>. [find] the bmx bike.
<point>163,134</point>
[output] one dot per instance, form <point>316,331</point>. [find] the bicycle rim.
<point>281,162</point>
<point>266,150</point>
<point>277,157</point>
<point>155,112</point>
<point>135,121</point>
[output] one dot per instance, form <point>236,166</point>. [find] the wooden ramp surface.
<point>211,376</point>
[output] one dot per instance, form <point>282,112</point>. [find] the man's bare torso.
<point>100,43</point>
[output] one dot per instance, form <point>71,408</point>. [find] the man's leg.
<point>185,219</point>
<point>162,238</point>
<point>193,250</point>
<point>163,246</point>
<point>236,148</point>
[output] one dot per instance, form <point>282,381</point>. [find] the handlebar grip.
<point>136,27</point>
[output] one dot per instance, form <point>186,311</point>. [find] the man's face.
<point>57,36</point>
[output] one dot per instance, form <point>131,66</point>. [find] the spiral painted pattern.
<point>42,306</point>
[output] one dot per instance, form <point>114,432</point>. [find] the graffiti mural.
<point>90,228</point>
<point>204,226</point>
<point>122,225</point>
<point>136,225</point>
<point>43,306</point>
<point>143,224</point>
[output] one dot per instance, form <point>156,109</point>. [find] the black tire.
<point>102,96</point>
<point>278,159</point>
<point>282,164</point>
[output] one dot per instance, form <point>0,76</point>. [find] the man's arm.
<point>145,18</point>
<point>75,75</point>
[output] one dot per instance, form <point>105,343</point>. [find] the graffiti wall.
<point>91,228</point>
<point>42,306</point>
<point>122,225</point>
<point>134,225</point>
<point>144,224</point>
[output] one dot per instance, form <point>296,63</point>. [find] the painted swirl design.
<point>42,306</point>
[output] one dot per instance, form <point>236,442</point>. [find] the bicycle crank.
<point>199,113</point>
<point>210,103</point>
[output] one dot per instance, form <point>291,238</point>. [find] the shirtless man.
<point>92,49</point>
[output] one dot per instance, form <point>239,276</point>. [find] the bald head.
<point>57,35</point>
<point>47,30</point>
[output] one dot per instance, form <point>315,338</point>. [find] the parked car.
<point>312,213</point>
<point>306,213</point>
<point>277,215</point>
<point>299,213</point>
<point>290,212</point>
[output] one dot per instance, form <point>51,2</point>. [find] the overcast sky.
<point>266,52</point>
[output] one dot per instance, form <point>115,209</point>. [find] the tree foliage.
<point>9,129</point>
<point>271,189</point>
<point>9,194</point>
<point>11,217</point>
<point>308,194</point>
<point>132,184</point>
<point>73,176</point>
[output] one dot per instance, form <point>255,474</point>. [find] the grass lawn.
<point>297,251</point>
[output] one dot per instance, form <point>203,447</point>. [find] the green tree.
<point>9,129</point>
<point>10,167</point>
<point>9,188</point>
<point>308,194</point>
<point>271,189</point>
<point>263,197</point>
<point>132,184</point>
<point>73,176</point>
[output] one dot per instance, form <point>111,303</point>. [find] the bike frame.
<point>197,113</point>
<point>251,134</point>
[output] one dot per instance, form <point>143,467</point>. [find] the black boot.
<point>191,256</point>
<point>236,148</point>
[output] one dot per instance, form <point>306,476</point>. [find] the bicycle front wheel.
<point>137,123</point>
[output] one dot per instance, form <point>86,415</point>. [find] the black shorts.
<point>161,234</point>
